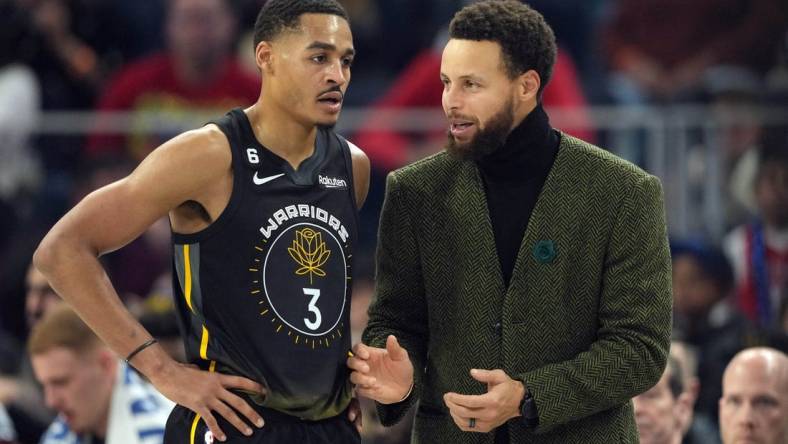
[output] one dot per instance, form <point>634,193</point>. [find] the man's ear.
<point>264,57</point>
<point>528,84</point>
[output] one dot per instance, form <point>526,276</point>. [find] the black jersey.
<point>264,291</point>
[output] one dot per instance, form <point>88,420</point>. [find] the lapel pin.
<point>544,251</point>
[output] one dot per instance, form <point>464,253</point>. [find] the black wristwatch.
<point>528,410</point>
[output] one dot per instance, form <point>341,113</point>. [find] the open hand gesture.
<point>382,374</point>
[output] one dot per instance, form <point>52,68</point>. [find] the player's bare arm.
<point>189,178</point>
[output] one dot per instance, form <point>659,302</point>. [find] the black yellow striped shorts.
<point>184,427</point>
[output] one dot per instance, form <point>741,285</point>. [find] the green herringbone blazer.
<point>585,322</point>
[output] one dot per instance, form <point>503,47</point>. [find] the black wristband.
<point>142,347</point>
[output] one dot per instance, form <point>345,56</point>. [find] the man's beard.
<point>486,141</point>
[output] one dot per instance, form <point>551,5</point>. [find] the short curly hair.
<point>527,41</point>
<point>280,15</point>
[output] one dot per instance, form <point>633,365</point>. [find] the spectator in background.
<point>702,282</point>
<point>696,429</point>
<point>18,389</point>
<point>55,20</point>
<point>15,257</point>
<point>61,51</point>
<point>197,73</point>
<point>759,250</point>
<point>40,298</point>
<point>69,45</point>
<point>735,95</point>
<point>704,318</point>
<point>661,411</point>
<point>99,398</point>
<point>20,108</point>
<point>659,50</point>
<point>754,403</point>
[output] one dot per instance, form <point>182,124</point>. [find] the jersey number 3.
<point>315,293</point>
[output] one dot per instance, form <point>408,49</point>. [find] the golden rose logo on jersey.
<point>300,275</point>
<point>310,252</point>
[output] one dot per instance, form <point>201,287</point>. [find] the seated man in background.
<point>758,250</point>
<point>40,298</point>
<point>99,399</point>
<point>754,403</point>
<point>705,318</point>
<point>696,429</point>
<point>660,412</point>
<point>198,72</point>
<point>19,392</point>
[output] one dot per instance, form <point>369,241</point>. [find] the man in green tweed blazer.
<point>523,275</point>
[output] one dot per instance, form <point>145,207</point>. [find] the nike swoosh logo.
<point>263,180</point>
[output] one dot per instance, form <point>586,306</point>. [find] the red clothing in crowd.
<point>771,257</point>
<point>419,86</point>
<point>152,85</point>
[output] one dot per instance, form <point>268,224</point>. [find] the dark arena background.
<point>695,92</point>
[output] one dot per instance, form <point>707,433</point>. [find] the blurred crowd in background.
<point>192,60</point>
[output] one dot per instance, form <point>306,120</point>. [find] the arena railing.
<point>687,146</point>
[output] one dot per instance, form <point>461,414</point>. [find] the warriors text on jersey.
<point>264,292</point>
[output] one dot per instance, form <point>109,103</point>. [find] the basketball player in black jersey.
<point>263,206</point>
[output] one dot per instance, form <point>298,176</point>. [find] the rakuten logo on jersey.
<point>332,182</point>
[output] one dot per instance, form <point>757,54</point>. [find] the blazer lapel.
<point>541,243</point>
<point>468,204</point>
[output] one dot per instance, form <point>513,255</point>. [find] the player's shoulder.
<point>434,169</point>
<point>208,140</point>
<point>204,150</point>
<point>357,155</point>
<point>593,163</point>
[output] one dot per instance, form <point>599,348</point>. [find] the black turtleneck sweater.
<point>513,177</point>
